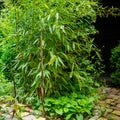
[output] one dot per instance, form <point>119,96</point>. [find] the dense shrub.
<point>65,27</point>
<point>6,87</point>
<point>115,65</point>
<point>71,60</point>
<point>7,57</point>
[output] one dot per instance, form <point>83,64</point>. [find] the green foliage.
<point>108,11</point>
<point>6,87</point>
<point>1,118</point>
<point>7,58</point>
<point>71,60</point>
<point>115,65</point>
<point>75,106</point>
<point>65,27</point>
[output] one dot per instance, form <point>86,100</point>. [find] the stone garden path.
<point>108,107</point>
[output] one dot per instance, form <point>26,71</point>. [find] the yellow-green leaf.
<point>52,60</point>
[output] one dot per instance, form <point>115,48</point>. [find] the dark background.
<point>109,33</point>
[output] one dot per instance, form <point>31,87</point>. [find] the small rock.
<point>3,105</point>
<point>30,117</point>
<point>27,109</point>
<point>108,101</point>
<point>116,97</point>
<point>24,114</point>
<point>118,105</point>
<point>111,96</point>
<point>114,91</point>
<point>113,103</point>
<point>109,110</point>
<point>10,110</point>
<point>101,102</point>
<point>113,117</point>
<point>101,118</point>
<point>97,107</point>
<point>107,90</point>
<point>9,117</point>
<point>116,112</point>
<point>118,101</point>
<point>103,108</point>
<point>105,114</point>
<point>118,94</point>
<point>41,118</point>
<point>116,108</point>
<point>94,118</point>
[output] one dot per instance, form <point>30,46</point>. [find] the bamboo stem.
<point>14,84</point>
<point>42,77</point>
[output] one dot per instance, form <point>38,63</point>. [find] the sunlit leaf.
<point>52,60</point>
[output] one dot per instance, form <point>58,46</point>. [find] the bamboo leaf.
<point>46,6</point>
<point>99,56</point>
<point>60,60</point>
<point>52,60</point>
<point>57,16</point>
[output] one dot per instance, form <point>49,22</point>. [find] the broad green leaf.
<point>66,110</point>
<point>59,111</point>
<point>68,116</point>
<point>79,117</point>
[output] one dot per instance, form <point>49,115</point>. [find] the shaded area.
<point>1,4</point>
<point>108,37</point>
<point>114,3</point>
<point>109,34</point>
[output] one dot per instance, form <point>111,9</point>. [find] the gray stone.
<point>118,105</point>
<point>116,112</point>
<point>114,91</point>
<point>102,118</point>
<point>107,90</point>
<point>9,117</point>
<point>94,118</point>
<point>41,118</point>
<point>29,117</point>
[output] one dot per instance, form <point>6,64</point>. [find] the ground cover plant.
<point>115,65</point>
<point>68,107</point>
<point>51,53</point>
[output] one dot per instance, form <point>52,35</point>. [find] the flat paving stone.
<point>116,112</point>
<point>118,101</point>
<point>113,103</point>
<point>115,108</point>
<point>41,118</point>
<point>114,91</point>
<point>94,118</point>
<point>101,118</point>
<point>9,117</point>
<point>113,117</point>
<point>111,96</point>
<point>110,106</point>
<point>108,101</point>
<point>107,90</point>
<point>118,105</point>
<point>24,114</point>
<point>29,117</point>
